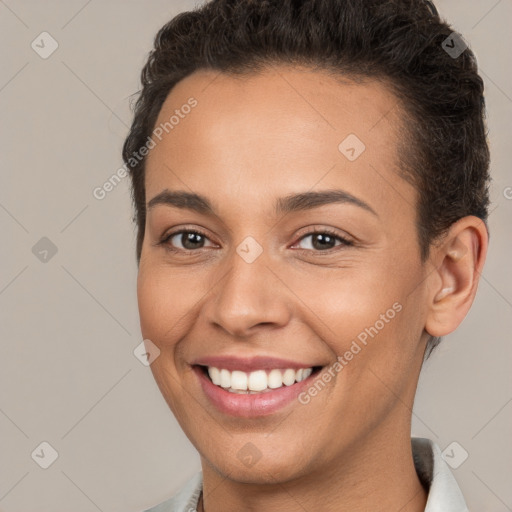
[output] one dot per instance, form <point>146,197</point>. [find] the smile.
<point>252,389</point>
<point>259,381</point>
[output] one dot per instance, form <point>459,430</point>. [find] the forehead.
<point>286,130</point>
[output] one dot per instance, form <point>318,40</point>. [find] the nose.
<point>249,298</point>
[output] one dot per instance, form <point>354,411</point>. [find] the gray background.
<point>69,326</point>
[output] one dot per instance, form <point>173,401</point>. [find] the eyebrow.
<point>284,205</point>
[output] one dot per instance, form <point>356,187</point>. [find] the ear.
<point>458,260</point>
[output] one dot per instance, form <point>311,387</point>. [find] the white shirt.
<point>444,494</point>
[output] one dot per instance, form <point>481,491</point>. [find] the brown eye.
<point>324,241</point>
<point>189,240</point>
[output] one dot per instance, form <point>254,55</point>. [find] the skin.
<point>248,142</point>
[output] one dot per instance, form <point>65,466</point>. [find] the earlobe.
<point>459,260</point>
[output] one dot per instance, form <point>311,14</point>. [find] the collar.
<point>444,495</point>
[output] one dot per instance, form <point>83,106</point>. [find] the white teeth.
<point>289,377</point>
<point>214,374</point>
<point>306,373</point>
<point>275,379</point>
<point>225,379</point>
<point>259,380</point>
<point>239,380</point>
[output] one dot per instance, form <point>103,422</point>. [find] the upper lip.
<point>249,364</point>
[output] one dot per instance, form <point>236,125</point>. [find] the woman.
<point>310,186</point>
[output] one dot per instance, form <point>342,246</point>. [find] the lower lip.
<point>251,405</point>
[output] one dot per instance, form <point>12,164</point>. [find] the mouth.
<point>255,393</point>
<point>258,381</point>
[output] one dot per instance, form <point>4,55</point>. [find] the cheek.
<point>381,353</point>
<point>370,318</point>
<point>161,307</point>
<point>162,303</point>
<point>347,303</point>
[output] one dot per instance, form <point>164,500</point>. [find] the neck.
<point>378,474</point>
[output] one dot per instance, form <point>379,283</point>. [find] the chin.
<point>249,465</point>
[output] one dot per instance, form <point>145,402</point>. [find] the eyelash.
<point>344,241</point>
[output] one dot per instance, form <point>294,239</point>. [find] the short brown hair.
<point>403,42</point>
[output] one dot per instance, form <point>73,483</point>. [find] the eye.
<point>189,239</point>
<point>323,240</point>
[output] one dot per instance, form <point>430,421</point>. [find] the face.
<point>299,261</point>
